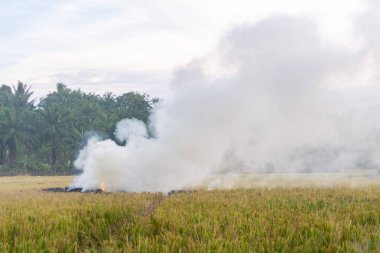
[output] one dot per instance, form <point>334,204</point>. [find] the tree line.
<point>45,137</point>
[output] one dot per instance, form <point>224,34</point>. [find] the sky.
<point>125,45</point>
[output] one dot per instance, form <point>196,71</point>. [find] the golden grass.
<point>292,219</point>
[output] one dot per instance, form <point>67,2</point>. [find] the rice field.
<point>318,218</point>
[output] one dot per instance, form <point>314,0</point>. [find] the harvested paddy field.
<point>295,218</point>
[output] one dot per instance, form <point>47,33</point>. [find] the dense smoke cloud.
<point>274,97</point>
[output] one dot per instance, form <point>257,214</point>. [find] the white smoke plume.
<point>274,97</point>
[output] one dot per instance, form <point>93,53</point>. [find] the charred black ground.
<point>78,189</point>
<point>70,190</point>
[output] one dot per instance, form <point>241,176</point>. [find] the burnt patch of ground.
<point>70,190</point>
<point>55,189</point>
<point>78,189</point>
<point>172,192</point>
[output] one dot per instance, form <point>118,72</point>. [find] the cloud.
<point>42,39</point>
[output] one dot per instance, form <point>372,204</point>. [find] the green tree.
<point>15,112</point>
<point>133,105</point>
<point>5,93</point>
<point>56,125</point>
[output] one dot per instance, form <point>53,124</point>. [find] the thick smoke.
<point>274,97</point>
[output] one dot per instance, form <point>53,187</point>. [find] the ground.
<point>307,217</point>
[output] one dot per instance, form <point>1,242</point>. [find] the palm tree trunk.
<point>1,153</point>
<point>53,160</point>
<point>12,152</point>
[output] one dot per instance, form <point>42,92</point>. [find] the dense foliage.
<point>45,137</point>
<point>251,220</point>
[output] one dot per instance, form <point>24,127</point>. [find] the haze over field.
<point>274,96</point>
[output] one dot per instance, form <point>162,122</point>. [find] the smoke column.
<point>273,97</point>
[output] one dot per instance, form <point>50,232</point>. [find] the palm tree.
<point>15,111</point>
<point>21,97</point>
<point>5,92</point>
<point>56,121</point>
<point>14,129</point>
